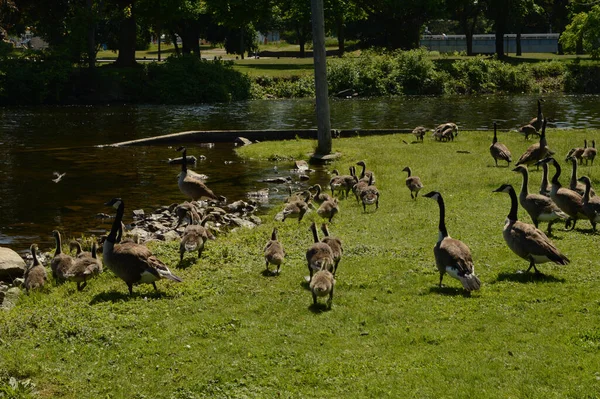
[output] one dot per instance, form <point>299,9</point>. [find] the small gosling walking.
<point>274,252</point>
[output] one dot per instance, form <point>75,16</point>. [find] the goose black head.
<point>505,188</point>
<point>115,202</point>
<point>433,195</point>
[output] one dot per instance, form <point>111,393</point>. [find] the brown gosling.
<point>499,151</point>
<point>591,205</point>
<point>450,128</point>
<point>526,240</point>
<point>419,132</point>
<point>191,183</point>
<point>577,152</point>
<point>590,153</point>
<point>322,284</point>
<point>296,209</point>
<point>569,201</point>
<point>79,253</point>
<point>335,244</point>
<point>545,186</point>
<point>35,275</point>
<point>328,209</point>
<point>319,255</point>
<point>84,268</point>
<point>364,173</point>
<point>539,207</point>
<point>274,252</point>
<point>537,122</point>
<point>194,237</point>
<point>574,184</point>
<point>537,151</point>
<point>61,262</point>
<point>528,130</point>
<point>453,256</point>
<point>132,263</point>
<point>369,195</point>
<point>320,196</point>
<point>413,183</point>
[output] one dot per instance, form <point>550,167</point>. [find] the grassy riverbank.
<point>229,331</point>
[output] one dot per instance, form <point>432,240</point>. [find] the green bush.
<point>484,75</point>
<point>582,78</point>
<point>295,87</point>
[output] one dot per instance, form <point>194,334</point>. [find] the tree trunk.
<point>579,45</point>
<point>341,35</point>
<point>500,43</point>
<point>174,40</point>
<point>519,53</point>
<point>159,41</point>
<point>242,44</point>
<point>91,36</point>
<point>127,34</point>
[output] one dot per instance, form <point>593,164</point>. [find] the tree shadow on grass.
<point>525,277</point>
<point>449,291</point>
<point>118,296</point>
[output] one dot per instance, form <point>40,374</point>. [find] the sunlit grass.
<point>228,331</point>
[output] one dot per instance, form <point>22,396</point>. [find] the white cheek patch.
<point>117,204</point>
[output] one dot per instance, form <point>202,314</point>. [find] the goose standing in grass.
<point>191,183</point>
<point>545,186</point>
<point>419,132</point>
<point>370,195</point>
<point>319,255</point>
<point>328,209</point>
<point>297,208</point>
<point>413,183</point>
<point>274,252</point>
<point>322,284</point>
<point>320,196</point>
<point>539,207</point>
<point>61,262</point>
<point>499,151</point>
<point>538,121</point>
<point>567,200</point>
<point>591,205</point>
<point>453,256</point>
<point>84,268</point>
<point>364,173</point>
<point>194,237</point>
<point>35,275</point>
<point>341,183</point>
<point>133,263</point>
<point>335,244</point>
<point>445,131</point>
<point>576,152</point>
<point>590,153</point>
<point>79,253</point>
<point>528,130</point>
<point>537,151</point>
<point>574,184</point>
<point>526,240</point>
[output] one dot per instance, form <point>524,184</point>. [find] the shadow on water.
<point>525,278</point>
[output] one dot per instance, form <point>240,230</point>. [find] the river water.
<point>36,141</point>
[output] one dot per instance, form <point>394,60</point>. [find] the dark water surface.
<point>35,142</point>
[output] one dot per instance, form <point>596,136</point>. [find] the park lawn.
<point>229,331</point>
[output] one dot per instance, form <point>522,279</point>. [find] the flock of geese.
<point>135,264</point>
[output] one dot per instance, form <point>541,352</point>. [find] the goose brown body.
<point>319,255</point>
<point>591,205</point>
<point>328,209</point>
<point>84,268</point>
<point>322,284</point>
<point>274,252</point>
<point>194,237</point>
<point>590,153</point>
<point>413,183</point>
<point>35,276</point>
<point>335,244</point>
<point>61,262</point>
<point>191,183</point>
<point>499,151</point>
<point>537,151</point>
<point>574,184</point>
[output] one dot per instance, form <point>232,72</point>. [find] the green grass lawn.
<point>228,331</point>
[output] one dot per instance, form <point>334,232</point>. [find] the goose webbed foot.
<point>154,285</point>
<point>130,286</point>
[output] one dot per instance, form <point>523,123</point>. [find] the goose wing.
<point>455,253</point>
<point>535,243</point>
<point>502,152</point>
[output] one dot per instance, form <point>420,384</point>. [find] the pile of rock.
<point>12,268</point>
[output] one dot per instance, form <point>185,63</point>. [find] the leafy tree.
<point>337,14</point>
<point>296,16</point>
<point>583,33</point>
<point>467,13</point>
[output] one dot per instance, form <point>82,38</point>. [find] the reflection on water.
<point>35,142</point>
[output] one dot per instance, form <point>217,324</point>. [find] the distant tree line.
<point>77,28</point>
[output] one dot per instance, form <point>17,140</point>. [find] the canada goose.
<point>35,275</point>
<point>577,153</point>
<point>537,151</point>
<point>335,244</point>
<point>194,237</point>
<point>84,268</point>
<point>526,240</point>
<point>79,253</point>
<point>453,256</point>
<point>591,205</point>
<point>358,187</point>
<point>539,207</point>
<point>538,121</point>
<point>413,183</point>
<point>545,187</point>
<point>298,195</point>
<point>576,185</point>
<point>61,262</point>
<point>58,176</point>
<point>499,151</point>
<point>186,212</point>
<point>567,200</point>
<point>341,183</point>
<point>528,130</point>
<point>419,132</point>
<point>370,195</point>
<point>328,209</point>
<point>440,129</point>
<point>319,255</point>
<point>590,153</point>
<point>190,183</point>
<point>133,263</point>
<point>274,252</point>
<point>322,284</point>
<point>364,173</point>
<point>297,208</point>
<point>319,197</point>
